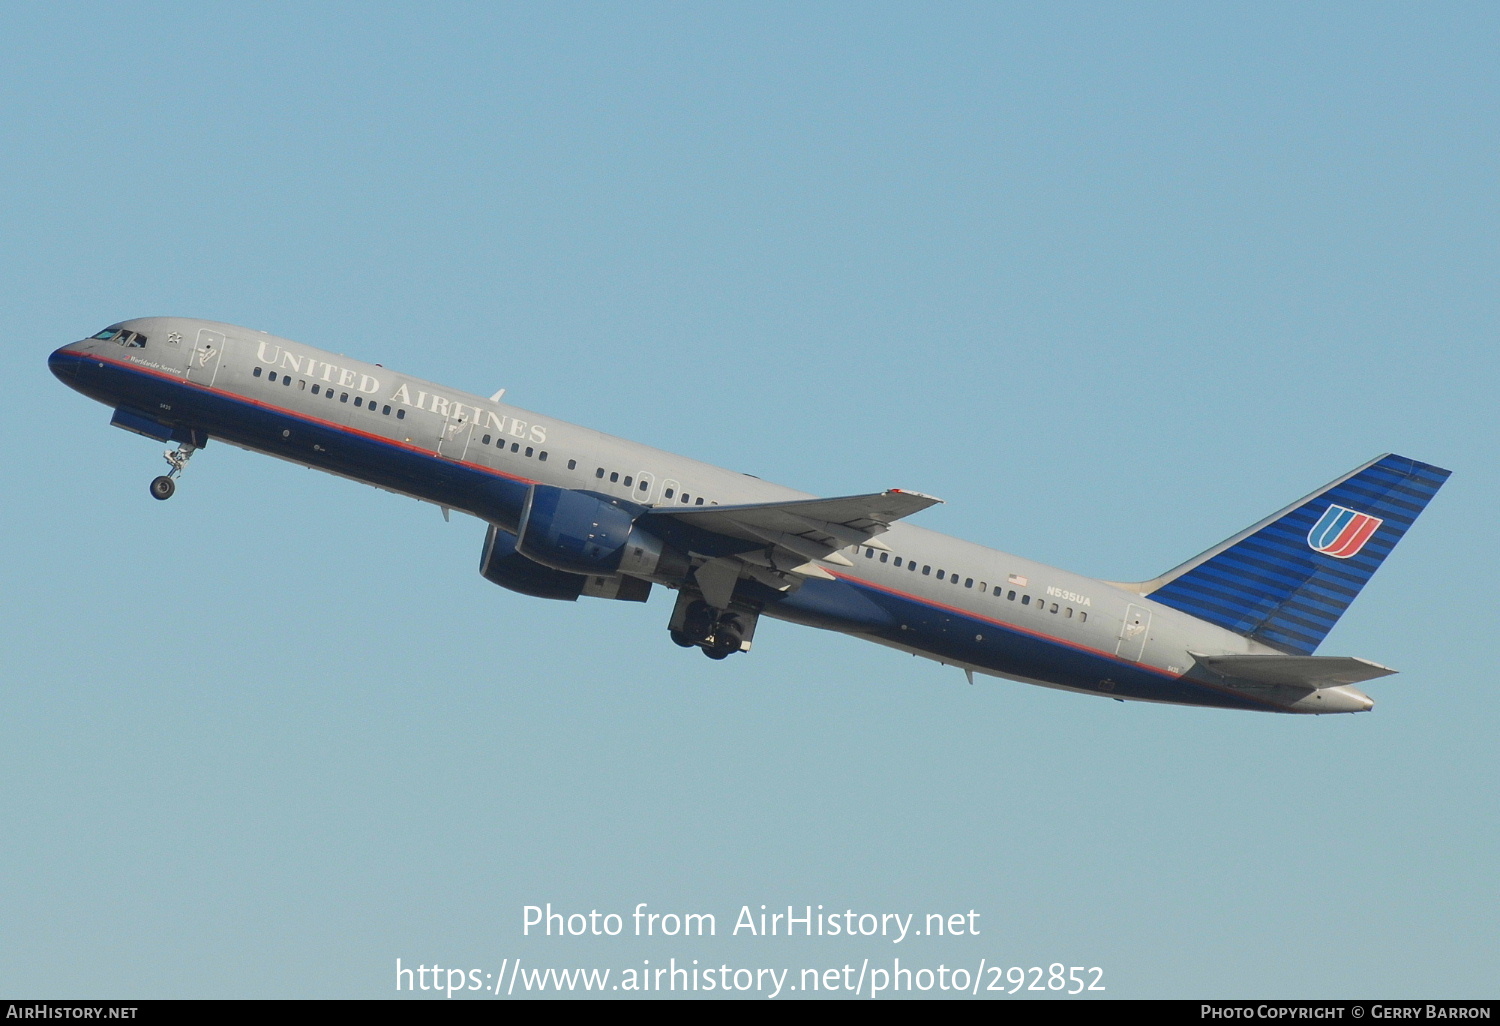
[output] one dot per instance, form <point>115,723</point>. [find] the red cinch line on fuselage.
<point>418,450</point>
<point>304,417</point>
<point>1064,642</point>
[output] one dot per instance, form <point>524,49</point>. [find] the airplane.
<point>573,513</point>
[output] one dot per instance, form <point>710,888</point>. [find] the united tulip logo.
<point>1342,532</point>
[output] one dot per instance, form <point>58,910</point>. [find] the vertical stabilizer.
<point>1288,579</point>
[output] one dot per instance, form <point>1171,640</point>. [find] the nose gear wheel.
<point>164,486</point>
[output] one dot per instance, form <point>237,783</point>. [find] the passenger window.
<point>626,482</point>
<point>485,441</point>
<point>927,570</point>
<point>343,397</point>
<point>272,377</point>
<point>614,477</point>
<point>1083,617</point>
<point>1025,599</point>
<point>644,485</point>
<point>940,575</point>
<point>969,582</point>
<point>685,497</point>
<point>359,400</point>
<point>1009,598</point>
<point>668,493</point>
<point>898,561</point>
<point>572,464</point>
<point>286,379</point>
<point>316,391</point>
<point>542,456</point>
<point>699,501</point>
<point>400,413</point>
<point>529,451</point>
<point>385,411</point>
<point>869,553</point>
<point>515,446</point>
<point>301,385</point>
<point>1054,607</point>
<point>255,372</point>
<point>884,556</point>
<point>1068,612</point>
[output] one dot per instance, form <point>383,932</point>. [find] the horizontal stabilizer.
<point>1293,670</point>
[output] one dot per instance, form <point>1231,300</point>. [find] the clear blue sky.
<point>1114,280</point>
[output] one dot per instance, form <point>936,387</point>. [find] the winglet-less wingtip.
<point>908,491</point>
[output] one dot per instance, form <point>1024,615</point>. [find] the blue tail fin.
<point>1288,579</point>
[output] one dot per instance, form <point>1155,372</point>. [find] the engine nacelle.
<point>584,534</point>
<point>501,564</point>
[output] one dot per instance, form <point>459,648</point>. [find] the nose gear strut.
<point>162,487</point>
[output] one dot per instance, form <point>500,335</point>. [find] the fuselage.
<point>950,600</point>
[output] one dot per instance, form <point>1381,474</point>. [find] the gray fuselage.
<point>475,455</point>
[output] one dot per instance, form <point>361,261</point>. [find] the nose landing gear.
<point>164,486</point>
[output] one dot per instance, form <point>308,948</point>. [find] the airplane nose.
<point>64,365</point>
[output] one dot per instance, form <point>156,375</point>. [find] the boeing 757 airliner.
<point>573,512</point>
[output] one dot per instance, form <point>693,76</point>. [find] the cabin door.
<point>203,361</point>
<point>456,434</point>
<point>1133,631</point>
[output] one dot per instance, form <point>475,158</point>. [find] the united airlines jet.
<point>573,512</point>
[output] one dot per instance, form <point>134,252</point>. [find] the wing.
<point>779,543</point>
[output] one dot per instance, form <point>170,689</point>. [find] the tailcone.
<point>1343,699</point>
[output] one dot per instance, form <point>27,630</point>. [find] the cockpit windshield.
<point>128,339</point>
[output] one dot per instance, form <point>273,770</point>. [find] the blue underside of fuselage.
<point>952,636</point>
<point>846,605</point>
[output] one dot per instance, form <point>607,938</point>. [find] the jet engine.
<point>581,533</point>
<point>501,564</point>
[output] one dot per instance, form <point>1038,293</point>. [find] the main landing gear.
<point>697,624</point>
<point>162,487</point>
